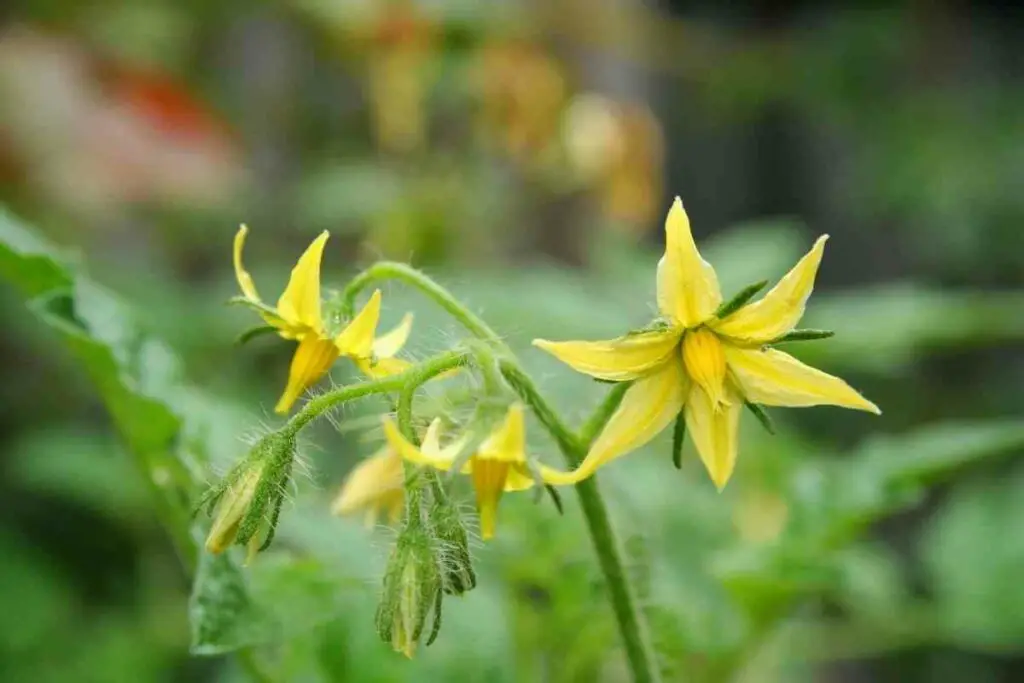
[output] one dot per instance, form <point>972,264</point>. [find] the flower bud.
<point>412,590</point>
<point>457,573</point>
<point>248,500</point>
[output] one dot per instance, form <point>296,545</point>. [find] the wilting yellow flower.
<point>375,486</point>
<point>298,317</point>
<point>499,464</point>
<point>703,365</point>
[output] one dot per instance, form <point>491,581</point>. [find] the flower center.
<point>705,362</point>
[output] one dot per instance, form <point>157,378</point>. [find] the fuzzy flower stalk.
<point>704,360</point>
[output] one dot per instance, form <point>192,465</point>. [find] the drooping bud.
<point>247,502</point>
<point>411,592</point>
<point>457,573</point>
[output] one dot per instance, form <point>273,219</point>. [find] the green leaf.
<point>274,599</point>
<point>973,551</point>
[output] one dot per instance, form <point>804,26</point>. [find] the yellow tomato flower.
<point>374,486</point>
<point>701,365</point>
<point>298,317</point>
<point>499,464</point>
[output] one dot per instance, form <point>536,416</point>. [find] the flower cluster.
<point>698,364</point>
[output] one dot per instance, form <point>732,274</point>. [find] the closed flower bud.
<point>412,591</point>
<point>246,504</point>
<point>456,565</point>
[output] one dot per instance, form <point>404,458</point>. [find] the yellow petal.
<point>704,360</point>
<point>519,478</point>
<point>390,343</point>
<point>383,367</point>
<point>432,439</point>
<point>774,378</point>
<point>647,408</point>
<point>489,477</point>
<point>300,303</point>
<point>619,359</point>
<point>781,308</point>
<point>245,282</point>
<point>312,359</point>
<point>371,483</point>
<point>441,460</point>
<point>356,340</point>
<point>687,285</point>
<point>508,442</point>
<point>714,428</point>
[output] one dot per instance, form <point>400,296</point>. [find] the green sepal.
<point>252,333</point>
<point>656,325</point>
<point>762,416</point>
<point>556,498</point>
<point>678,436</point>
<point>269,314</point>
<point>803,335</point>
<point>436,627</point>
<point>740,300</point>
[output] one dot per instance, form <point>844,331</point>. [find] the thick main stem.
<point>632,623</point>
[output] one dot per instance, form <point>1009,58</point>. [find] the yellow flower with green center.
<point>298,317</point>
<point>706,361</point>
<point>375,486</point>
<point>500,463</point>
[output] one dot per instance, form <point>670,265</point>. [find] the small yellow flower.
<point>703,365</point>
<point>298,317</point>
<point>374,486</point>
<point>499,464</point>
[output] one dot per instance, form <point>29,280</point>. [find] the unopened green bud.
<point>247,502</point>
<point>412,591</point>
<point>457,573</point>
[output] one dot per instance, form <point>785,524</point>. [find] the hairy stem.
<point>390,270</point>
<point>321,404</point>
<point>632,623</point>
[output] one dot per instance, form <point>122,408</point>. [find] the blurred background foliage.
<point>525,153</point>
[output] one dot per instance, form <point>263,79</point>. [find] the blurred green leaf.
<point>980,602</point>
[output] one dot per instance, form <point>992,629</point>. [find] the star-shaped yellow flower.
<point>298,317</point>
<point>500,463</point>
<point>703,365</point>
<point>374,486</point>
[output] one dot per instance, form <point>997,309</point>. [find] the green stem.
<point>632,623</point>
<point>599,418</point>
<point>524,386</point>
<point>389,270</point>
<point>321,404</point>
